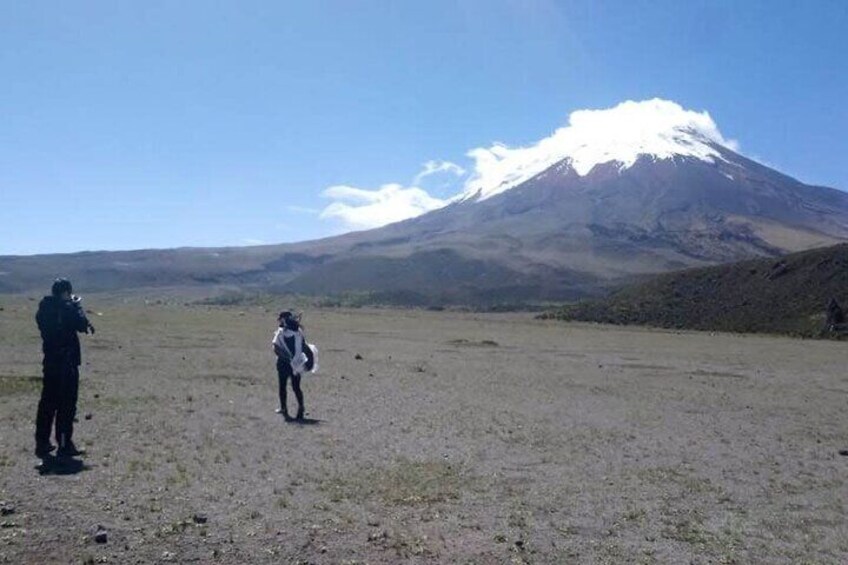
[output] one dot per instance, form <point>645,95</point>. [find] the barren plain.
<point>433,437</point>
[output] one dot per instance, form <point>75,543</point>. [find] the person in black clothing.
<point>835,316</point>
<point>60,318</point>
<point>293,358</point>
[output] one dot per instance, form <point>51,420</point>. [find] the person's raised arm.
<point>81,323</point>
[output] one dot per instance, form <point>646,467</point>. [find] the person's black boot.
<point>43,450</point>
<point>69,450</point>
<point>299,414</point>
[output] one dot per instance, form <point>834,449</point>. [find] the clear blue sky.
<point>161,124</point>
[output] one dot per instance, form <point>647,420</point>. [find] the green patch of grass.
<point>690,527</point>
<point>689,530</point>
<point>136,466</point>
<point>11,385</point>
<point>406,483</point>
<point>124,401</point>
<point>635,515</point>
<point>686,482</point>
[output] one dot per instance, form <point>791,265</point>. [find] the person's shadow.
<point>304,421</point>
<point>52,465</point>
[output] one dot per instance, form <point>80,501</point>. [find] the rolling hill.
<point>788,295</point>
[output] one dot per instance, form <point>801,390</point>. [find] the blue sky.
<point>159,124</point>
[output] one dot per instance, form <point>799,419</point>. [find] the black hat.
<point>60,286</point>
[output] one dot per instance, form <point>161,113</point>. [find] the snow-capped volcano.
<point>641,188</point>
<point>656,128</point>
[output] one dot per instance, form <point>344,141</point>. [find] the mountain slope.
<point>639,189</point>
<point>788,295</point>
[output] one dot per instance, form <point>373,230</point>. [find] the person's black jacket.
<point>59,321</point>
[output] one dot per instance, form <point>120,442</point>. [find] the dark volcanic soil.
<point>456,438</point>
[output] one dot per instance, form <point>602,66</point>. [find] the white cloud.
<point>436,167</point>
<point>358,208</point>
<point>657,127</point>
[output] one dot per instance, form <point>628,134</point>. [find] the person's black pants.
<point>284,373</point>
<point>58,403</point>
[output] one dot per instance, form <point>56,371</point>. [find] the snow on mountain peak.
<point>658,128</point>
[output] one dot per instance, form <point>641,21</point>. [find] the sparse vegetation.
<point>592,444</point>
<point>404,483</point>
<point>786,296</point>
<point>11,385</point>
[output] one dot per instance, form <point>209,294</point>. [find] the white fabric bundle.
<point>298,357</point>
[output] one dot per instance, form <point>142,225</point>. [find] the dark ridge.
<point>788,295</point>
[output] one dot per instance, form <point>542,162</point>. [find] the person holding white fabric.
<point>294,357</point>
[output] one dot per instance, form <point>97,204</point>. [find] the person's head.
<point>288,320</point>
<point>62,289</point>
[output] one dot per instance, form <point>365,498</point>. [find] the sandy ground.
<point>457,438</point>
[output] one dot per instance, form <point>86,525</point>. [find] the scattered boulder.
<point>88,416</point>
<point>358,357</point>
<point>200,518</point>
<point>6,509</point>
<point>100,535</point>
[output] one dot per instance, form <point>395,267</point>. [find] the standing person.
<point>293,358</point>
<point>60,317</point>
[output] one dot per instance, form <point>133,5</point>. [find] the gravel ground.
<point>456,438</point>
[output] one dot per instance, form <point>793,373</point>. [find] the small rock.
<point>6,509</point>
<point>358,357</point>
<point>519,543</point>
<point>96,396</point>
<point>100,536</point>
<point>843,452</point>
<point>200,518</point>
<point>88,416</point>
<point>168,556</point>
